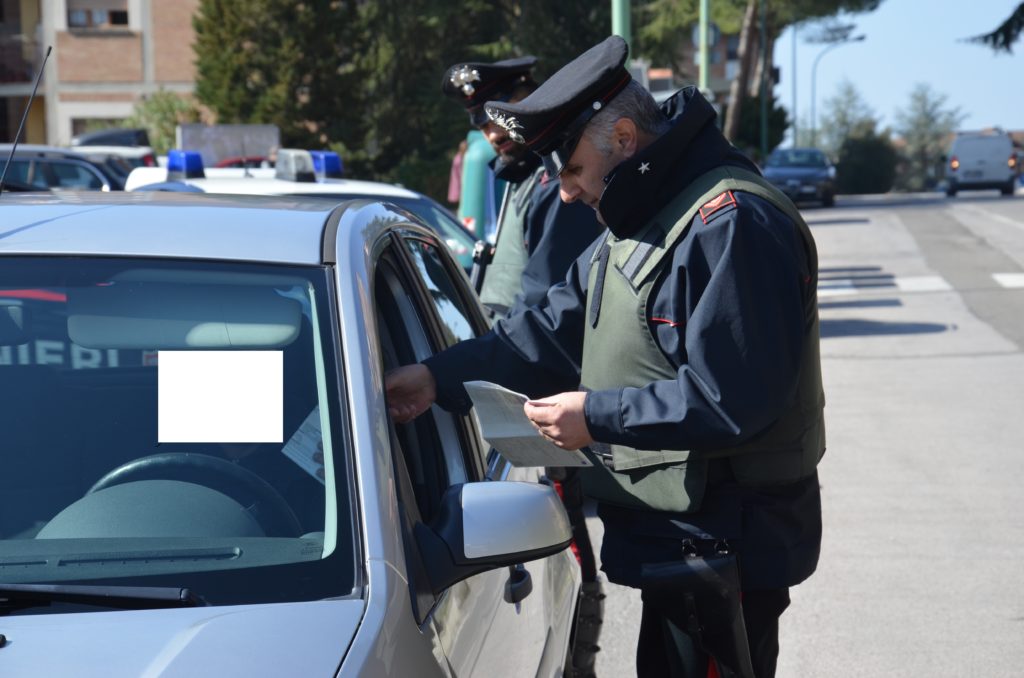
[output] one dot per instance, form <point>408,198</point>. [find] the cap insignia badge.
<point>509,123</point>
<point>644,168</point>
<point>463,79</point>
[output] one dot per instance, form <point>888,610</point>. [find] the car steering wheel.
<point>259,497</point>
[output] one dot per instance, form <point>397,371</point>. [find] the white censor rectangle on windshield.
<point>220,397</point>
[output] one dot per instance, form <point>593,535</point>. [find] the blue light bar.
<point>184,165</point>
<point>327,164</point>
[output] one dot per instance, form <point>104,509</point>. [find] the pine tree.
<point>925,126</point>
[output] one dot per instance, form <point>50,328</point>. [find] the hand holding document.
<point>506,428</point>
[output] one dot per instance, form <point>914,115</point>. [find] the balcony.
<point>19,58</point>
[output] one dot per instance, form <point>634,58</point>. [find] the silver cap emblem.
<point>508,123</point>
<point>463,79</point>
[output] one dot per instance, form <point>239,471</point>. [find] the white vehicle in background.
<point>299,172</point>
<point>980,160</point>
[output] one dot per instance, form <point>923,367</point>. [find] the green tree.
<point>1007,33</point>
<point>925,125</point>
<point>281,62</point>
<point>748,138</point>
<point>867,161</point>
<point>160,114</point>
<point>845,115</point>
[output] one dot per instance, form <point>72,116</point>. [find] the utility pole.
<point>705,66</point>
<point>796,125</point>
<point>620,21</point>
<point>764,82</point>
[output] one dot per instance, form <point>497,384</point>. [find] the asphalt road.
<point>922,318</point>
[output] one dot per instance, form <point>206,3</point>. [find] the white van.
<point>982,160</point>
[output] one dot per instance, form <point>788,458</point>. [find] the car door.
<point>423,306</point>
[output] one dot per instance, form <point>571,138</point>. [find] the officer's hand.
<point>560,419</point>
<point>410,390</point>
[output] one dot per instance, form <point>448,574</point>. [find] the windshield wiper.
<point>21,596</point>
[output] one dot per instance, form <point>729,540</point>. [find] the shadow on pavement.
<point>860,303</point>
<point>862,328</point>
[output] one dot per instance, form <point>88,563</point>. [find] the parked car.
<point>803,174</point>
<point>48,167</point>
<point>150,525</point>
<point>115,136</point>
<point>285,180</point>
<point>981,160</point>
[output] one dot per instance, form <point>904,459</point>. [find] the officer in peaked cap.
<point>538,238</point>
<point>681,354</point>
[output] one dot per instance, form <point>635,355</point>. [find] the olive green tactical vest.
<point>620,351</point>
<point>504,277</point>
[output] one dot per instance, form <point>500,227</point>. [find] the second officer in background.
<point>538,236</point>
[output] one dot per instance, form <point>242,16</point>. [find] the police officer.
<point>680,353</point>
<point>538,236</point>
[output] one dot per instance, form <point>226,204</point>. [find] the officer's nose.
<point>568,190</point>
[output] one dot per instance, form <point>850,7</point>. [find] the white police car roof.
<point>232,180</point>
<point>160,224</point>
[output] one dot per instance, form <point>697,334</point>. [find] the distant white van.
<point>982,160</point>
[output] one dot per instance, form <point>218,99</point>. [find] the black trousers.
<point>666,651</point>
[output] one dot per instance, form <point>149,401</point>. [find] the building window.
<point>97,14</point>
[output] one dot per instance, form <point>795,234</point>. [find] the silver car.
<point>199,476</point>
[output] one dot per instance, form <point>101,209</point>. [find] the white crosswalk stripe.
<point>908,284</point>
<point>1009,280</point>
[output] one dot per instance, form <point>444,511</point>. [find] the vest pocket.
<point>676,486</point>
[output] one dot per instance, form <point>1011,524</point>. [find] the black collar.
<point>639,187</point>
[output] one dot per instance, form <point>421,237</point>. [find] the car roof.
<point>125,151</point>
<point>158,224</point>
<point>232,180</point>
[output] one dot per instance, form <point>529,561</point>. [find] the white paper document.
<point>506,428</point>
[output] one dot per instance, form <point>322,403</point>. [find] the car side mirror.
<point>487,525</point>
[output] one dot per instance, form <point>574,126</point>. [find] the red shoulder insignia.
<point>715,204</point>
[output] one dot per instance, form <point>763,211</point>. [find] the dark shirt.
<point>732,293</point>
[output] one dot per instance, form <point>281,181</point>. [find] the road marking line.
<point>835,288</point>
<point>923,283</point>
<point>1009,280</point>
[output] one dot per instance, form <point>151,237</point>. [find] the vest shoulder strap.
<point>673,222</point>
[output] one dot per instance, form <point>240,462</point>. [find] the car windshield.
<point>175,424</point>
<point>797,157</point>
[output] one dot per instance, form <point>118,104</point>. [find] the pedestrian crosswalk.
<point>875,282</point>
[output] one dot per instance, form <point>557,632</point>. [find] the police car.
<point>199,473</point>
<point>299,172</point>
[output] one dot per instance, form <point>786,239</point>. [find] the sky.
<point>909,42</point>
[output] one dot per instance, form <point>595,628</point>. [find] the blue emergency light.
<point>327,164</point>
<point>184,165</point>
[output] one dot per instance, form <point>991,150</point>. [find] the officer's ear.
<point>625,137</point>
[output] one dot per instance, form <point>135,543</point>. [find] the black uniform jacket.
<point>555,233</point>
<point>727,311</point>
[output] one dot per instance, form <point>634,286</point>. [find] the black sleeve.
<point>556,234</point>
<point>731,317</point>
<point>536,350</point>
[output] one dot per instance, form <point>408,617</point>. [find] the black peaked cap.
<point>551,118</point>
<point>472,84</point>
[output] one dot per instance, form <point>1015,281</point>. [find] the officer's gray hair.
<point>633,102</point>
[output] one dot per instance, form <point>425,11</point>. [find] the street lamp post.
<point>814,80</point>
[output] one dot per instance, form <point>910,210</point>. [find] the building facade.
<point>107,55</point>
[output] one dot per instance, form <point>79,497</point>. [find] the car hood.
<point>296,639</point>
<point>793,172</point>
